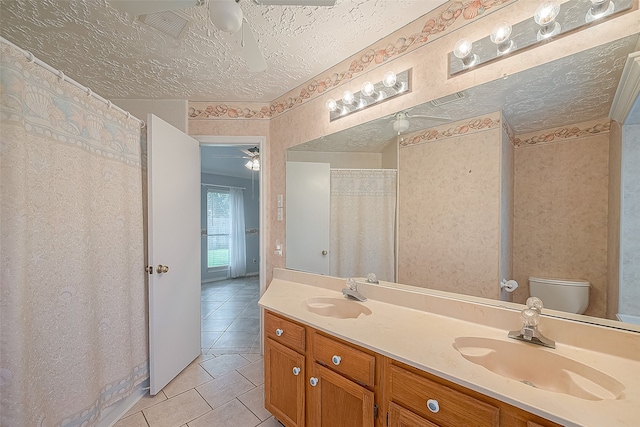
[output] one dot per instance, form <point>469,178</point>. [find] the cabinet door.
<point>400,417</point>
<point>284,383</point>
<point>335,401</point>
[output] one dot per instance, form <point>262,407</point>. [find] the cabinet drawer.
<point>284,331</point>
<point>345,359</point>
<point>453,409</point>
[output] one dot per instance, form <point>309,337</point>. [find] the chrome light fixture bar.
<point>548,24</point>
<point>391,86</point>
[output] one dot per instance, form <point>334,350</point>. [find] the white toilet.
<point>556,294</point>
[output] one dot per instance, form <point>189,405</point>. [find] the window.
<point>218,228</point>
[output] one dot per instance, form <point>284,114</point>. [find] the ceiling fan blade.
<point>144,7</point>
<point>247,46</point>
<point>295,2</point>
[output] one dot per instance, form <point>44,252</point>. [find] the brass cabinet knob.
<point>324,252</point>
<point>162,268</point>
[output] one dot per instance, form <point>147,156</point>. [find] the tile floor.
<point>223,387</point>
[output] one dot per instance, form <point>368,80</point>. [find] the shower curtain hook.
<point>61,75</point>
<point>30,57</point>
<point>109,104</point>
<point>89,92</point>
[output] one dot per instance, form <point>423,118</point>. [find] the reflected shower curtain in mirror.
<point>237,242</point>
<point>363,214</point>
<point>73,331</point>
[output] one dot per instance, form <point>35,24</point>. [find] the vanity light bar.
<point>552,19</point>
<point>391,86</point>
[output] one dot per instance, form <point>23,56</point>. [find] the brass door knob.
<point>162,268</point>
<point>324,252</point>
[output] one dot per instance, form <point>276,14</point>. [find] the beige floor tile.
<point>252,357</point>
<point>271,422</point>
<point>254,400</point>
<point>221,390</point>
<point>135,420</point>
<point>224,364</point>
<point>145,402</point>
<point>178,410</point>
<point>254,372</point>
<point>191,377</point>
<point>231,414</point>
<point>231,350</point>
<point>202,358</point>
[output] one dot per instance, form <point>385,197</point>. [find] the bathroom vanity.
<point>408,358</point>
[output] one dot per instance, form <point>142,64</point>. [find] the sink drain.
<point>528,383</point>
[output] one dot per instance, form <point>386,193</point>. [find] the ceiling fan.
<point>401,123</point>
<point>226,15</point>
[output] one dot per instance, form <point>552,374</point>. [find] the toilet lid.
<point>563,282</point>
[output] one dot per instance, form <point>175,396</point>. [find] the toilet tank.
<point>567,295</point>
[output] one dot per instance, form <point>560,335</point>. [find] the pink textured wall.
<point>449,213</point>
<point>560,214</point>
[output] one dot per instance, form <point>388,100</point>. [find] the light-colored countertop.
<point>423,337</point>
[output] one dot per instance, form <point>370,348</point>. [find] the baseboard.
<point>112,414</point>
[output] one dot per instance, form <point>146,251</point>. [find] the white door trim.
<point>261,142</point>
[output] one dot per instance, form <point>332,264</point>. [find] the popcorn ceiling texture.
<point>119,57</point>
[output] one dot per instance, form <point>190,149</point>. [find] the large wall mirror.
<point>522,176</point>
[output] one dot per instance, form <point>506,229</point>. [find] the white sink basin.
<point>539,368</point>
<point>340,308</point>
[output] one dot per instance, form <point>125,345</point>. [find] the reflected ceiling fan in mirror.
<point>401,122</point>
<point>226,15</point>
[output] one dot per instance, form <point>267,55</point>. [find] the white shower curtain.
<point>362,230</point>
<point>73,330</point>
<point>237,243</point>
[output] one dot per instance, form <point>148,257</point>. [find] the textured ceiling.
<point>119,57</point>
<point>570,90</point>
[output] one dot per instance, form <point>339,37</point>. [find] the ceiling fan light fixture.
<point>226,15</point>
<point>401,124</point>
<point>253,164</point>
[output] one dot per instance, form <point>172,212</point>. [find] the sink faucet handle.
<point>534,303</point>
<point>530,317</point>
<point>351,284</point>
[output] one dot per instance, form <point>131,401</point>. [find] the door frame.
<point>261,143</point>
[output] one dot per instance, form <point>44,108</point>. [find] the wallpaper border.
<point>437,23</point>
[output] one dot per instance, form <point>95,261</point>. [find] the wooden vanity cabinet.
<point>417,398</point>
<point>284,370</point>
<point>341,390</point>
<point>353,384</point>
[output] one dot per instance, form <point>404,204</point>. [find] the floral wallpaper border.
<point>578,130</point>
<point>438,23</point>
<point>450,131</point>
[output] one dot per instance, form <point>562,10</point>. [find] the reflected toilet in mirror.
<point>571,296</point>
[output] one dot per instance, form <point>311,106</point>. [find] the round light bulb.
<point>331,104</point>
<point>347,97</point>
<point>368,88</point>
<point>389,79</point>
<point>501,33</point>
<point>546,13</point>
<point>463,48</point>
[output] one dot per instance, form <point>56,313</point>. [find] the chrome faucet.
<point>351,291</point>
<point>530,319</point>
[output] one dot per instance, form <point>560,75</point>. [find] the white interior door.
<point>173,171</point>
<point>308,192</point>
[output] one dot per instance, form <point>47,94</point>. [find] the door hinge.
<point>375,412</point>
<point>387,419</point>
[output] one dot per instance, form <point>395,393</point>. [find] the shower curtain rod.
<point>222,186</point>
<point>31,58</point>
